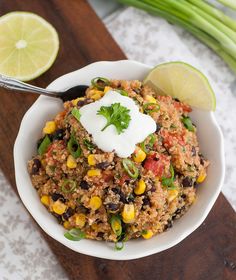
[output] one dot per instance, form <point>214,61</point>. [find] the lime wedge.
<point>29,45</point>
<point>183,81</point>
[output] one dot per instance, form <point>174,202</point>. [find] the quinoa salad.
<point>99,195</point>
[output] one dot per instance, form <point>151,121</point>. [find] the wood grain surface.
<point>208,253</point>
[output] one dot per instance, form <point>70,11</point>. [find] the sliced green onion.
<point>122,92</point>
<point>149,144</point>
<point>187,123</point>
<point>44,145</point>
<point>74,147</point>
<point>154,107</point>
<point>100,83</point>
<point>116,225</point>
<point>74,234</point>
<point>89,145</point>
<point>68,186</point>
<point>130,168</point>
<point>76,113</point>
<point>119,245</point>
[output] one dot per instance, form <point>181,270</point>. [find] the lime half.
<point>183,81</point>
<point>28,45</point>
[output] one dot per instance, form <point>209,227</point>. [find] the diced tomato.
<point>123,179</point>
<point>107,175</point>
<point>156,164</point>
<point>170,138</point>
<point>181,106</point>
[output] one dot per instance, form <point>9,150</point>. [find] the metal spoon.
<point>68,94</point>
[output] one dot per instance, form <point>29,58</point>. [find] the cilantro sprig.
<point>116,115</point>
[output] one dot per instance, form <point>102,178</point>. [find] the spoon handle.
<point>13,84</point>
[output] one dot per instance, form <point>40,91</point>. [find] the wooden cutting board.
<point>208,253</point>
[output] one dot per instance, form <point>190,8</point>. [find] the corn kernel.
<point>96,94</point>
<point>50,127</point>
<point>80,220</point>
<point>95,202</point>
<point>128,213</point>
<point>75,101</point>
<point>94,172</point>
<point>201,177</point>
<point>59,207</point>
<point>140,187</point>
<point>148,234</point>
<point>45,200</point>
<point>91,160</point>
<point>71,162</point>
<point>106,89</point>
<point>66,225</point>
<point>139,155</point>
<point>150,99</point>
<point>172,194</point>
<point>94,227</point>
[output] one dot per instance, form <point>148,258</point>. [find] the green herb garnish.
<point>68,186</point>
<point>74,147</point>
<point>130,168</point>
<point>169,182</point>
<point>116,115</point>
<point>187,123</point>
<point>76,113</point>
<point>74,234</point>
<point>89,145</point>
<point>44,145</point>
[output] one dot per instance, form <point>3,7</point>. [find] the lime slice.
<point>183,81</point>
<point>29,45</point>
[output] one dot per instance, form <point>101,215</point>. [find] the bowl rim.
<point>130,256</point>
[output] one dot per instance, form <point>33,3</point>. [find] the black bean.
<point>56,196</point>
<point>100,234</point>
<point>84,185</point>
<point>116,190</point>
<point>112,206</point>
<point>187,182</point>
<point>194,151</point>
<point>35,166</point>
<point>68,213</point>
<point>122,197</point>
<point>131,198</point>
<point>58,134</point>
<point>168,225</point>
<point>153,189</point>
<point>83,102</point>
<point>146,201</point>
<point>158,127</point>
<point>102,165</point>
<point>178,211</point>
<point>59,218</point>
<point>183,196</point>
<point>82,209</point>
<point>176,99</point>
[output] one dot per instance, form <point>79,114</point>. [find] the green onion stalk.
<point>207,23</point>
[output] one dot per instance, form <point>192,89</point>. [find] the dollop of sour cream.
<point>140,125</point>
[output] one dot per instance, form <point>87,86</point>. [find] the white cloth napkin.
<point>24,254</point>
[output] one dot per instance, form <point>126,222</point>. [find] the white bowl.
<point>45,108</point>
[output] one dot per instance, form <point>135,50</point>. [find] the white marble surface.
<point>24,254</point>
